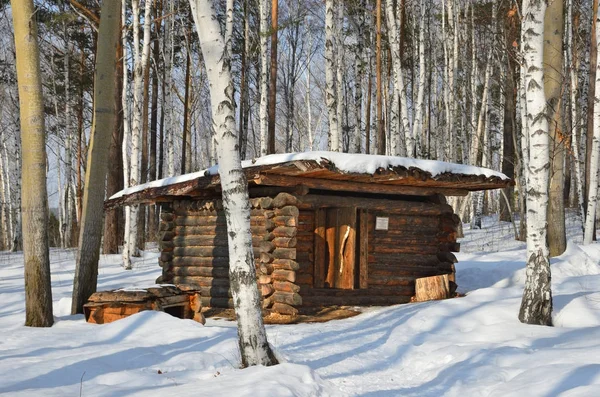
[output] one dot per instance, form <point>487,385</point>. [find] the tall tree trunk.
<point>510,110</point>
<point>339,79</point>
<point>380,126</point>
<point>536,305</point>
<point>152,219</point>
<point>330,80</point>
<point>141,233</point>
<point>186,144</point>
<point>593,60</point>
<point>114,217</point>
<point>140,61</point>
<point>592,197</point>
<point>264,76</point>
<point>34,200</point>
<point>168,104</point>
<point>244,84</point>
<point>418,121</point>
<point>67,226</point>
<point>553,68</point>
<point>273,82</point>
<point>90,233</point>
<point>575,123</point>
<point>254,347</point>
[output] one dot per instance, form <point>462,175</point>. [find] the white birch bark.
<point>330,79</point>
<point>536,305</point>
<point>595,161</point>
<point>480,132</point>
<point>4,218</point>
<point>339,71</point>
<point>126,132</point>
<point>308,105</point>
<point>169,130</point>
<point>572,65</point>
<point>264,74</point>
<point>474,77</point>
<point>418,120</point>
<point>253,343</point>
<point>399,123</point>
<point>140,61</point>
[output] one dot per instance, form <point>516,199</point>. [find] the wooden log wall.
<point>194,250</point>
<point>416,244</point>
<point>413,246</point>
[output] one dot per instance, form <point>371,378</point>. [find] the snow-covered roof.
<point>322,165</point>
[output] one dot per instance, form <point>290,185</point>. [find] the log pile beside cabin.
<point>320,237</point>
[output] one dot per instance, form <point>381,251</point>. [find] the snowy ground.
<point>471,346</point>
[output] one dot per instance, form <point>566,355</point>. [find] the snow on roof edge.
<point>345,162</point>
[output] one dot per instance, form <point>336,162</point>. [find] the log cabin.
<point>327,228</point>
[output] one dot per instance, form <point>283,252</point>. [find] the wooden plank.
<point>331,235</point>
<point>201,281</point>
<point>346,246</point>
<point>223,252</point>
<point>399,206</point>
<point>363,252</point>
<point>197,220</point>
<point>359,187</point>
<point>320,247</point>
<point>212,241</point>
<point>184,271</point>
<point>210,262</point>
<point>318,301</point>
<point>390,280</point>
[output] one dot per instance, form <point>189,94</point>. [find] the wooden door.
<point>335,248</point>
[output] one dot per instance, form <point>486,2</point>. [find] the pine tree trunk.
<point>90,234</point>
<point>34,204</point>
<point>536,305</point>
<point>553,67</point>
<point>254,347</point>
<point>114,183</point>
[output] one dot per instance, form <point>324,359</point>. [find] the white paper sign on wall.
<point>382,223</point>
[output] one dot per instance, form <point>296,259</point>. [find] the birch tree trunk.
<point>536,305</point>
<point>34,201</point>
<point>594,161</point>
<point>125,144</point>
<point>572,64</point>
<point>264,75</point>
<point>380,126</point>
<point>339,71</point>
<point>168,105</point>
<point>134,173</point>
<point>90,232</point>
<point>253,343</point>
<point>418,120</point>
<point>273,82</point>
<point>331,98</point>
